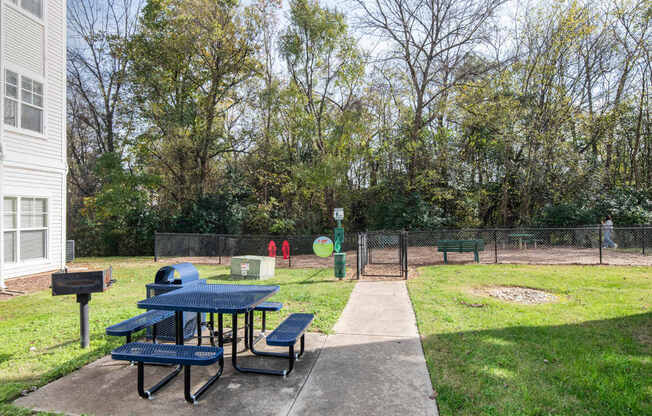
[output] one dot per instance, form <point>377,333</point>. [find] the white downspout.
<point>64,144</point>
<point>3,286</point>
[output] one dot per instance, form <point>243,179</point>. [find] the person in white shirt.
<point>607,229</point>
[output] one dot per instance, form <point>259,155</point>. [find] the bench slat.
<point>288,331</point>
<point>167,353</point>
<point>460,246</point>
<point>139,322</point>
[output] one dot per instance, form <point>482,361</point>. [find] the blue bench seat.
<point>183,355</point>
<point>267,307</point>
<point>135,324</point>
<point>287,334</point>
<point>167,353</point>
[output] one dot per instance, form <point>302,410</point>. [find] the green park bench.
<point>460,246</point>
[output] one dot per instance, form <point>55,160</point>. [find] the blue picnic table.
<point>220,299</point>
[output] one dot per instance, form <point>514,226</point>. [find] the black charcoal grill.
<point>82,284</point>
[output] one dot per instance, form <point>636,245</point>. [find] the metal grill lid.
<point>185,272</point>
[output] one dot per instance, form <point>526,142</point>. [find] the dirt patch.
<point>516,294</point>
<point>427,256</point>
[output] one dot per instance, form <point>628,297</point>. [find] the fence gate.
<point>382,254</point>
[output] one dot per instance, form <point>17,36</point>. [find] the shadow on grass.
<point>5,357</point>
<point>25,382</point>
<point>592,368</point>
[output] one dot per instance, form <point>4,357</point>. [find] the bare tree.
<point>97,65</point>
<point>434,41</point>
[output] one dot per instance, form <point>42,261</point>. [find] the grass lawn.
<point>590,353</point>
<point>40,333</point>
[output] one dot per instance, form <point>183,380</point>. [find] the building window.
<point>35,7</point>
<point>10,225</point>
<point>29,114</point>
<point>11,98</point>
<point>25,229</point>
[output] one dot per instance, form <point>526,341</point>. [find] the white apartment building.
<point>32,136</point>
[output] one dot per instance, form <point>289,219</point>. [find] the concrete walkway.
<point>374,363</point>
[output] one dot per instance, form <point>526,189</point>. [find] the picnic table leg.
<point>211,325</point>
<point>198,328</point>
<point>178,326</point>
<point>192,398</point>
<point>263,353</point>
<point>220,330</point>
<point>445,257</point>
<point>147,394</point>
<point>246,330</point>
<point>234,356</point>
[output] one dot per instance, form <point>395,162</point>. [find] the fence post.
<point>407,246</point>
<point>155,247</point>
<point>495,246</point>
<point>217,248</point>
<point>600,241</point>
<point>357,258</point>
<point>643,237</point>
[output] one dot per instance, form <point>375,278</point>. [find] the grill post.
<point>83,299</point>
<point>643,239</point>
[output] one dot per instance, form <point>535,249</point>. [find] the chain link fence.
<point>390,252</point>
<point>579,245</point>
<point>219,248</point>
<point>382,254</point>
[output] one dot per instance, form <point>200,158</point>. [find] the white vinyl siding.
<point>34,164</point>
<point>23,41</point>
<point>26,229</point>
<point>30,110</point>
<point>35,7</point>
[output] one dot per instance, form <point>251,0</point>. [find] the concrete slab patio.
<point>108,387</point>
<point>372,365</point>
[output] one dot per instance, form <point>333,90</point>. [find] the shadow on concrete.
<point>104,388</point>
<point>601,367</point>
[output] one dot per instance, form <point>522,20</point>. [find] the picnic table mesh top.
<point>211,298</point>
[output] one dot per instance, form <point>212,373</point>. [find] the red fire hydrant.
<point>271,248</point>
<point>285,248</point>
